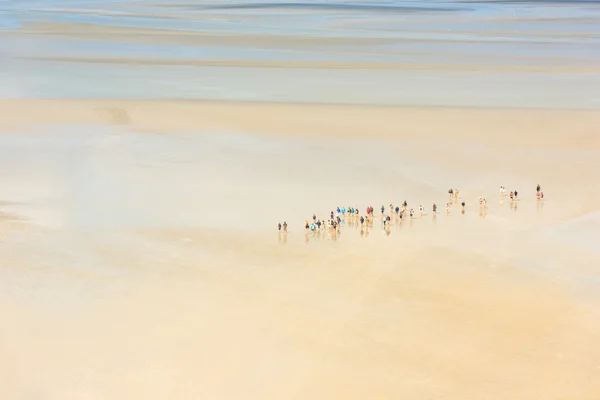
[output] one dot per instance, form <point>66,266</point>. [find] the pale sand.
<point>124,281</point>
<point>340,65</point>
<point>522,128</point>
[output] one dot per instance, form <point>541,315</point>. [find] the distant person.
<point>279,226</point>
<point>382,209</point>
<point>397,210</point>
<point>284,226</point>
<point>412,213</point>
<point>434,209</point>
<point>319,225</point>
<point>516,194</point>
<point>362,221</point>
<point>331,215</point>
<point>512,196</point>
<point>538,188</point>
<point>306,225</point>
<point>420,210</point>
<point>447,208</point>
<point>463,207</point>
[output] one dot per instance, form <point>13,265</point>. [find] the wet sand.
<point>159,254</point>
<point>139,254</point>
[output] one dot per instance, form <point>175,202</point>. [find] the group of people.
<point>352,216</point>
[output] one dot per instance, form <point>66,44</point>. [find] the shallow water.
<point>449,35</point>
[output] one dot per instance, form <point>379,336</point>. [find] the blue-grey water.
<point>456,53</point>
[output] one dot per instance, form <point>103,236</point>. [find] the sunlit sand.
<point>140,256</point>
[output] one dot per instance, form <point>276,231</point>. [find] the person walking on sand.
<point>463,207</point>
<point>516,194</point>
<point>382,209</point>
<point>279,227</point>
<point>397,210</point>
<point>412,213</point>
<point>420,210</point>
<point>434,209</point>
<point>512,196</point>
<point>538,188</point>
<point>284,227</point>
<point>306,226</point>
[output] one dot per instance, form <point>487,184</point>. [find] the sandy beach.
<point>139,252</point>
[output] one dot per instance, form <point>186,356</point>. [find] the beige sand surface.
<point>347,65</point>
<point>524,128</point>
<point>463,307</point>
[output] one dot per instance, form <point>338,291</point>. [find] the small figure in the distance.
<point>462,210</point>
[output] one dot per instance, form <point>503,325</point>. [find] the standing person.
<point>512,196</point>
<point>463,207</point>
<point>420,210</point>
<point>447,208</point>
<point>331,215</point>
<point>382,209</point>
<point>434,209</point>
<point>319,225</point>
<point>284,227</point>
<point>306,226</point>
<point>362,221</point>
<point>397,210</point>
<point>538,188</point>
<point>516,194</point>
<point>412,212</point>
<point>279,227</point>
